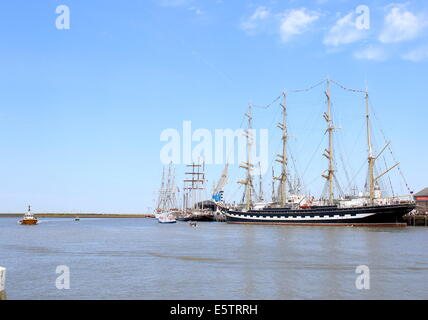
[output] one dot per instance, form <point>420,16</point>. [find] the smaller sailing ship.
<point>195,208</point>
<point>166,210</point>
<point>29,219</point>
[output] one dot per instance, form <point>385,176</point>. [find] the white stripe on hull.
<point>302,218</point>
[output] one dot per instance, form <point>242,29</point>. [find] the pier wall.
<point>419,220</point>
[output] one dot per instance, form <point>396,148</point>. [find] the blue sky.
<point>82,110</point>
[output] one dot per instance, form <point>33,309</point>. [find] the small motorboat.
<point>167,218</point>
<point>77,219</point>
<point>29,219</point>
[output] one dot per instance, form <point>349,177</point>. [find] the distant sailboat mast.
<point>194,185</point>
<point>167,199</point>
<point>161,196</point>
<point>261,193</point>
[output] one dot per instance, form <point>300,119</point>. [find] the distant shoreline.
<point>80,215</point>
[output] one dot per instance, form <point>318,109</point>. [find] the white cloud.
<point>196,10</point>
<point>260,14</point>
<point>345,31</point>
<point>371,53</point>
<point>287,24</point>
<point>295,22</point>
<point>416,55</point>
<point>401,24</point>
<point>256,19</point>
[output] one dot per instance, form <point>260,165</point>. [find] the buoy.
<point>2,283</point>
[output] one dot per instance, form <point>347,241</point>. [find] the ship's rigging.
<point>291,208</point>
<point>286,188</point>
<point>167,198</point>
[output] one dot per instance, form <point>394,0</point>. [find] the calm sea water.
<point>140,259</point>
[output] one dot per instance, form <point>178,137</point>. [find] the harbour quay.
<point>419,217</point>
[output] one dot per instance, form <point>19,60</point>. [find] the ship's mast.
<point>248,182</point>
<point>371,157</point>
<point>283,157</point>
<point>173,188</point>
<point>261,193</point>
<point>194,184</point>
<point>167,194</point>
<point>168,189</point>
<point>161,198</point>
<point>273,185</point>
<point>329,153</point>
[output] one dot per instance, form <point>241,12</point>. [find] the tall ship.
<point>288,207</point>
<point>195,207</point>
<point>167,204</point>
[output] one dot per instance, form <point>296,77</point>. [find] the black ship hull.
<point>202,218</point>
<point>386,215</point>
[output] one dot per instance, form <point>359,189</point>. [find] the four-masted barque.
<point>369,209</point>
